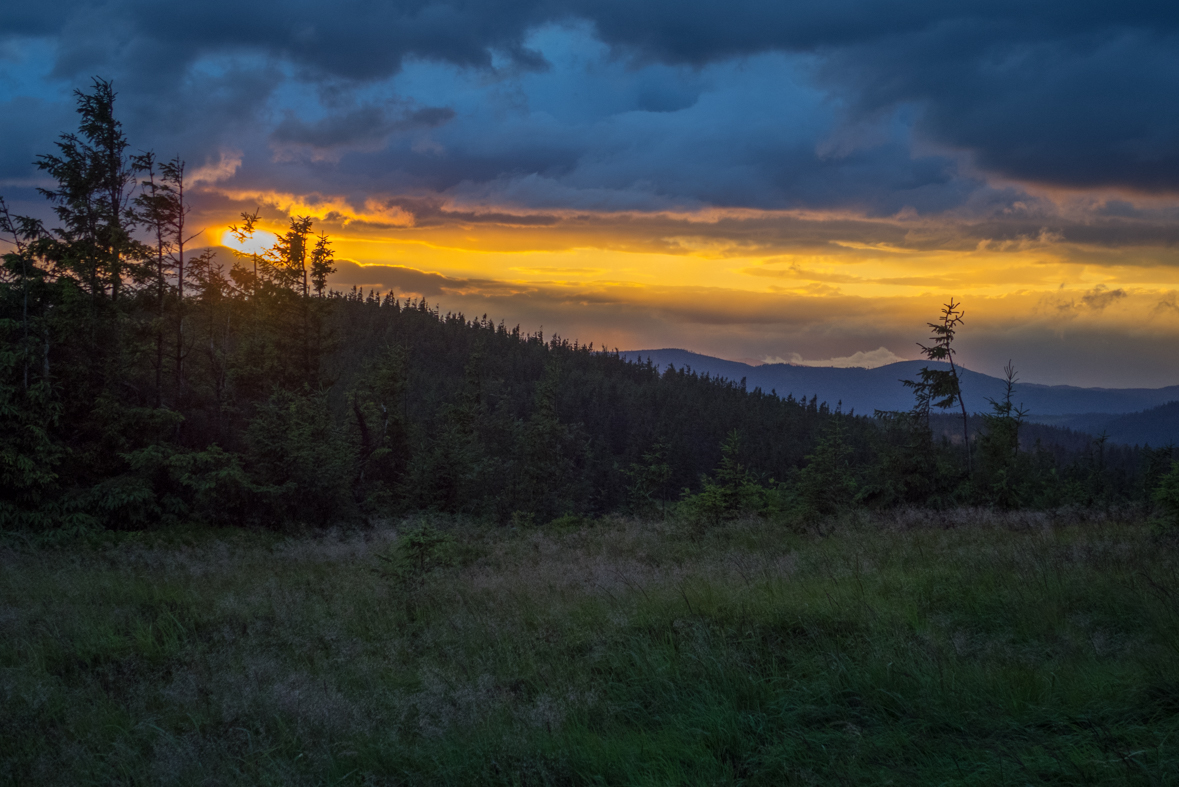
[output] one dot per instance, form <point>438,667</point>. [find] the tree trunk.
<point>965,421</point>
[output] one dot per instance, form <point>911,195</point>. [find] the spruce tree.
<point>941,388</point>
<point>322,264</point>
<point>999,444</point>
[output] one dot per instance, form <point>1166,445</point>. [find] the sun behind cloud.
<point>257,244</point>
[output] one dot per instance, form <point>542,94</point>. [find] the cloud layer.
<point>1052,93</point>
<point>795,152</point>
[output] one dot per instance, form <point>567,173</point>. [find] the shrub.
<point>417,552</point>
<point>731,491</point>
<point>827,484</point>
<point>1166,495</point>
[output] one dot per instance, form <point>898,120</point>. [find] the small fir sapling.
<point>417,552</point>
<point>999,445</point>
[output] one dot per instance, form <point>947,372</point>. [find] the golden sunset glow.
<point>782,281</point>
<point>258,243</point>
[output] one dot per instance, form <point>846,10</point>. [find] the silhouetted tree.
<point>941,388</point>
<point>999,445</point>
<point>322,264</point>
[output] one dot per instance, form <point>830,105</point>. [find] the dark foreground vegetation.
<point>960,647</point>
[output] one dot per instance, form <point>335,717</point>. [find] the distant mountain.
<point>865,390</point>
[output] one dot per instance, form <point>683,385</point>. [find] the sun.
<point>258,243</point>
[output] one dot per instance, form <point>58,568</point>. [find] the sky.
<point>805,182</point>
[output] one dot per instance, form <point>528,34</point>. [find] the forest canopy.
<point>144,382</point>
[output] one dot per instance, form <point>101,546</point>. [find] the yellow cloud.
<point>753,277</point>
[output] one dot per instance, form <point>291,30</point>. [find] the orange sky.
<point>766,285</point>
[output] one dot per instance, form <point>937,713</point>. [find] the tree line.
<point>143,381</point>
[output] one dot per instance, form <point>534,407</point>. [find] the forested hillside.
<point>142,384</point>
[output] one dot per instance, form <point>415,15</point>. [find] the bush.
<point>1166,495</point>
<point>219,488</point>
<point>727,494</point>
<point>417,552</point>
<point>827,484</point>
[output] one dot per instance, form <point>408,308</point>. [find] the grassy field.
<point>919,648</point>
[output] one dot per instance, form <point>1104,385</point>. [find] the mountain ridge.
<point>866,390</point>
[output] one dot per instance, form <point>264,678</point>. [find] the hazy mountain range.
<point>1130,415</point>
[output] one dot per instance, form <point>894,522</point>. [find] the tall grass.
<point>963,648</point>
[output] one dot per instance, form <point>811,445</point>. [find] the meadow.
<point>962,647</point>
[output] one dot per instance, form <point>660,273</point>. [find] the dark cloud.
<point>1093,301</point>
<point>404,280</point>
<point>368,40</point>
<point>698,31</point>
<point>432,212</point>
<point>1086,109</point>
<point>1100,296</point>
<point>1067,94</point>
<point>26,124</point>
<point>1075,94</point>
<point>352,40</point>
<point>365,127</point>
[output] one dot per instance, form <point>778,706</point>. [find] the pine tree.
<point>155,206</point>
<point>322,264</point>
<point>26,235</point>
<point>289,256</point>
<point>93,245</point>
<point>941,388</point>
<point>29,456</point>
<point>730,490</point>
<point>549,453</point>
<point>94,178</point>
<point>247,280</point>
<point>378,415</point>
<point>999,444</point>
<point>827,483</point>
<point>649,482</point>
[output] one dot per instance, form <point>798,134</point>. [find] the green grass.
<point>966,648</point>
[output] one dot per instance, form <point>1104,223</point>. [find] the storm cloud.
<point>875,104</point>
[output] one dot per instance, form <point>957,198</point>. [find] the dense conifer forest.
<point>143,383</point>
